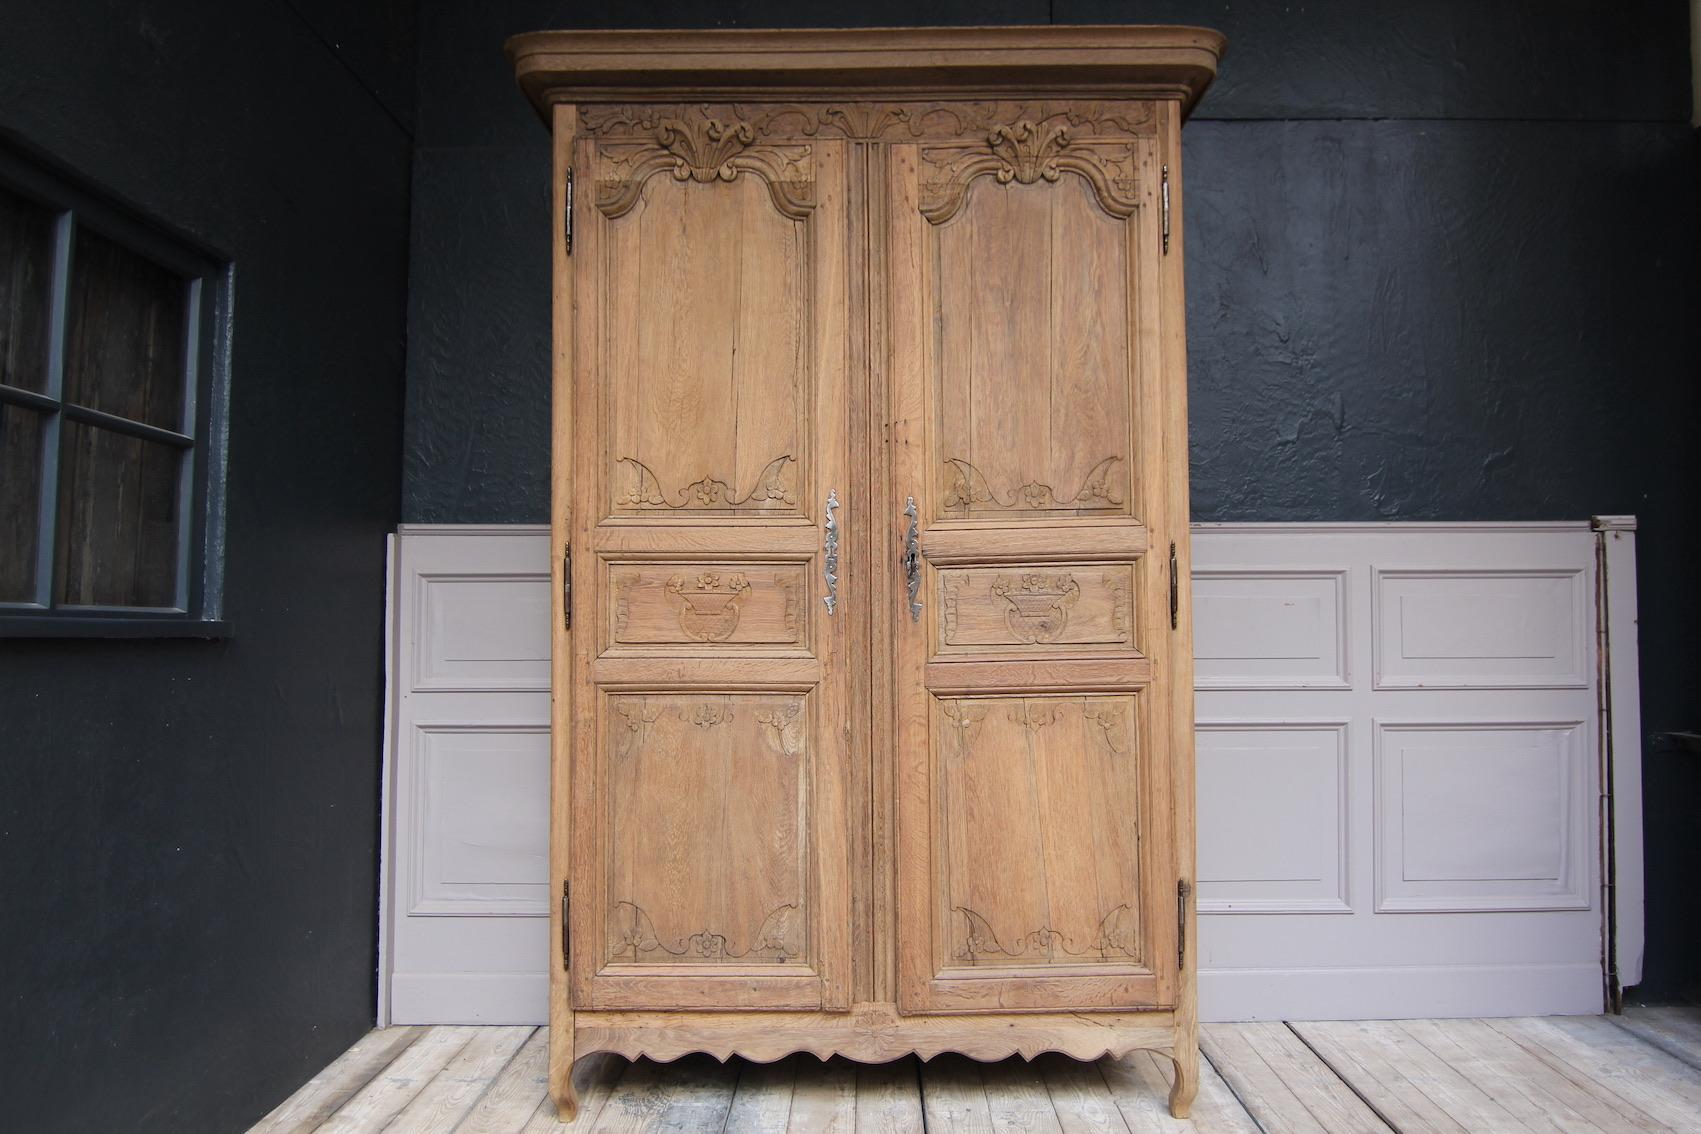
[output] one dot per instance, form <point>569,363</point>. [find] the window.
<point>111,418</point>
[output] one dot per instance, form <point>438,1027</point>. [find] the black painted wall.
<point>1442,264</point>
<point>188,829</point>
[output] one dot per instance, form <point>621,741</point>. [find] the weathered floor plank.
<point>953,1096</point>
<point>374,1105</point>
<point>1646,1078</point>
<point>1282,1083</point>
<point>761,1103</point>
<point>1553,1075</point>
<point>824,1098</point>
<point>888,1097</point>
<point>595,1078</point>
<point>1675,1031</point>
<point>691,1093</point>
<point>1140,1084</point>
<point>512,1099</point>
<point>323,1094</point>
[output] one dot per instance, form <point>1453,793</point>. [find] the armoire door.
<point>709,678</point>
<point>1035,867</point>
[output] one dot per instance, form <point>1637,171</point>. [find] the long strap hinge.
<point>567,213</point>
<point>1166,204</point>
<point>566,924</point>
<point>1183,891</point>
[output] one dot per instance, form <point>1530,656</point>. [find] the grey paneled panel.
<point>1270,629</point>
<point>1481,816</point>
<point>480,820</point>
<point>478,631</point>
<point>1272,816</point>
<point>1481,629</point>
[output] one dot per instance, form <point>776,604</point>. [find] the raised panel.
<point>1030,296</point>
<point>708,308</point>
<point>481,632</point>
<point>1272,816</point>
<point>1481,629</point>
<point>1037,610</point>
<point>1481,815</point>
<point>480,820</point>
<point>720,607</point>
<point>708,850</point>
<point>1263,629</point>
<point>1037,831</point>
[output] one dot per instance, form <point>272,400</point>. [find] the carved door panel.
<point>709,855</point>
<point>1034,863</point>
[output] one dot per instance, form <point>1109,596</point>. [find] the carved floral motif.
<point>1113,941</point>
<point>631,930</point>
<point>967,486</point>
<point>1111,717</point>
<point>643,490</point>
<point>1023,153</point>
<point>785,726</point>
<point>694,146</point>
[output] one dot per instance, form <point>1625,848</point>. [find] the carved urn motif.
<point>710,604</point>
<point>1037,606</point>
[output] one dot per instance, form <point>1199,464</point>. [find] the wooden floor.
<point>1640,1072</point>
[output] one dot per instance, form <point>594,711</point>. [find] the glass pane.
<point>124,333</point>
<point>26,275</point>
<point>118,519</point>
<point>20,499</point>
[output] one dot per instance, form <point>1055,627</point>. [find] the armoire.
<point>872,725</point>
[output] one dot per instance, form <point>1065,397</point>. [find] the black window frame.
<point>202,430</point>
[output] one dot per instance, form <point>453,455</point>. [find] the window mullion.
<point>47,515</point>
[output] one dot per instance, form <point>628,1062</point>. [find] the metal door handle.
<point>830,556</point>
<point>912,561</point>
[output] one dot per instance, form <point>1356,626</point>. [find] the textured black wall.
<point>1442,264</point>
<point>188,829</point>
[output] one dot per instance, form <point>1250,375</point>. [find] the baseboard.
<point>469,998</point>
<point>1417,992</point>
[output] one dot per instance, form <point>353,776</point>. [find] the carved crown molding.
<point>1024,153</point>
<point>700,148</point>
<point>878,120</point>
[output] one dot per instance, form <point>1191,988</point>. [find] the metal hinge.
<point>1174,591</point>
<point>567,587</point>
<point>567,214</point>
<point>1166,206</point>
<point>567,925</point>
<point>1183,891</point>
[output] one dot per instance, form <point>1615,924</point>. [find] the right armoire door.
<point>1032,509</point>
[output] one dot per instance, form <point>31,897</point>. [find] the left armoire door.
<point>709,679</point>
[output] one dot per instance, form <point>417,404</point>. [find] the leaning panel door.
<point>1034,828</point>
<point>709,678</point>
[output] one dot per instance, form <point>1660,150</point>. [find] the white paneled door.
<point>465,873</point>
<point>1399,760</point>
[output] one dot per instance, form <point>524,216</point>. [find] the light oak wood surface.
<point>872,727</point>
<point>1581,1075</point>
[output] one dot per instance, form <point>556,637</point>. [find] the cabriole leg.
<point>1186,1085</point>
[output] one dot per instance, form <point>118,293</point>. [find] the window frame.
<point>197,611</point>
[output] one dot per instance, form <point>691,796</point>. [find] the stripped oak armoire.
<point>873,680</point>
